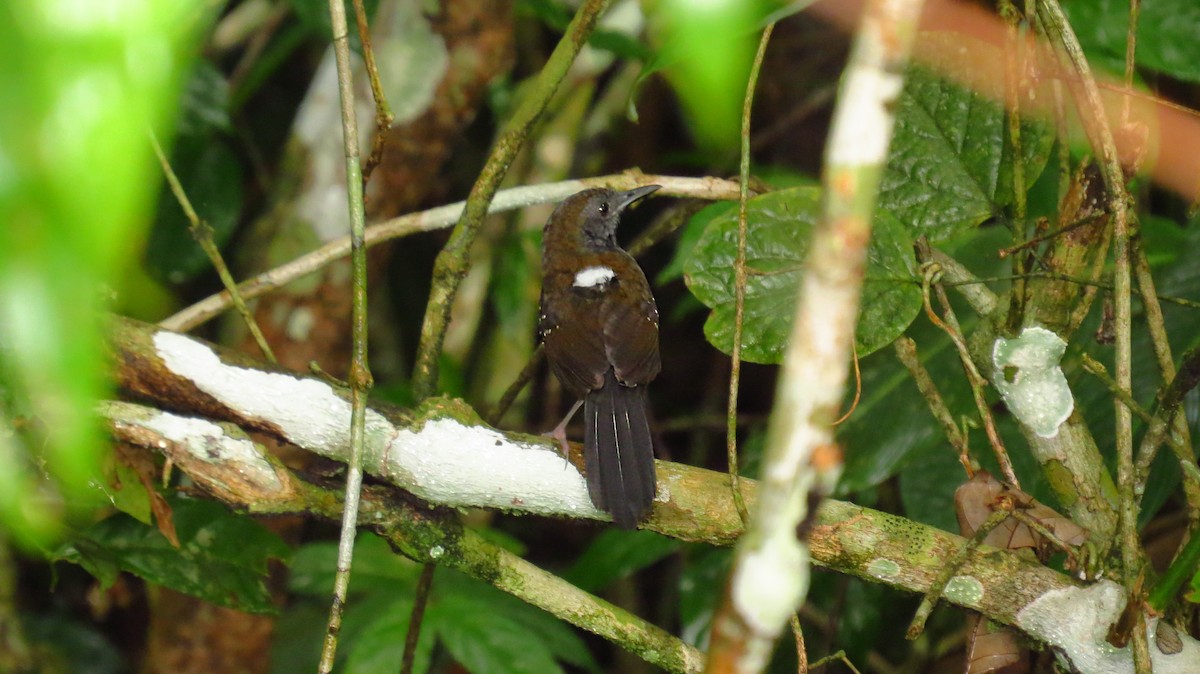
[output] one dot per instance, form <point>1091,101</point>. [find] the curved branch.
<point>461,462</point>
<point>440,218</point>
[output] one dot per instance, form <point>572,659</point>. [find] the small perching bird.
<point>600,327</point>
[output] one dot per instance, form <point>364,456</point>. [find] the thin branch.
<point>420,601</point>
<point>906,351</point>
<point>360,374</point>
<point>453,262</point>
<point>949,569</point>
<point>1091,111</point>
<point>440,218</point>
<point>977,382</point>
<point>383,112</point>
<point>739,282</point>
<point>202,232</point>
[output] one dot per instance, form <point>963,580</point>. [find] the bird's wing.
<point>575,348</point>
<point>631,327</point>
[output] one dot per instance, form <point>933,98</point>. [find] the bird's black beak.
<point>624,199</point>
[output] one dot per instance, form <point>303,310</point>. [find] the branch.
<point>224,461</point>
<point>443,455</point>
<point>770,575</point>
<point>440,218</point>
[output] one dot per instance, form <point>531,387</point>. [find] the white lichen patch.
<point>455,464</point>
<point>445,461</point>
<point>964,590</point>
<point>1075,621</point>
<point>209,442</point>
<point>883,568</point>
<point>306,411</point>
<point>1027,374</point>
<point>768,581</point>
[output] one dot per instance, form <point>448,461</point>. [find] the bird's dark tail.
<point>619,451</point>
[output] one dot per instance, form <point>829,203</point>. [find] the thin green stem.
<point>1091,111</point>
<point>739,282</point>
<point>202,232</point>
<point>383,112</point>
<point>453,262</point>
<point>360,374</point>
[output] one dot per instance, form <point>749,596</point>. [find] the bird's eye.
<point>603,208</point>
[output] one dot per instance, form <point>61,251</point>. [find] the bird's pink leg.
<point>560,431</point>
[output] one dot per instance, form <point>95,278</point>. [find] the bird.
<point>599,325</point>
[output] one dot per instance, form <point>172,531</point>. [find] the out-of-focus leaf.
<point>1166,34</point>
<point>778,229</point>
<point>487,630</point>
<point>615,554</point>
<point>211,176</point>
<point>704,572</point>
<point>950,163</point>
<point>81,83</point>
<point>66,645</point>
<point>222,558</point>
<point>205,101</point>
<point>314,565</point>
<point>706,51</point>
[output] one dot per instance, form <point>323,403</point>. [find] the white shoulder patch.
<point>591,277</point>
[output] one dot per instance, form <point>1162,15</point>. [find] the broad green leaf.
<point>222,557</point>
<point>314,565</point>
<point>950,163</point>
<point>378,648</point>
<point>1166,34</point>
<point>616,554</point>
<point>489,631</point>
<point>211,176</point>
<point>779,225</point>
<point>705,570</point>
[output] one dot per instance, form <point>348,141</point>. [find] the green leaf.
<point>211,176</point>
<point>705,569</point>
<point>950,163</point>
<point>314,565</point>
<point>488,631</point>
<point>1166,34</point>
<point>379,647</point>
<point>222,557</point>
<point>778,229</point>
<point>205,101</point>
<point>616,554</point>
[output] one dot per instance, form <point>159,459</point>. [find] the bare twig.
<point>739,282</point>
<point>439,218</point>
<point>203,234</point>
<point>360,375</point>
<point>906,351</point>
<point>420,601</point>
<point>801,456</point>
<point>977,382</point>
<point>383,112</point>
<point>1091,111</point>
